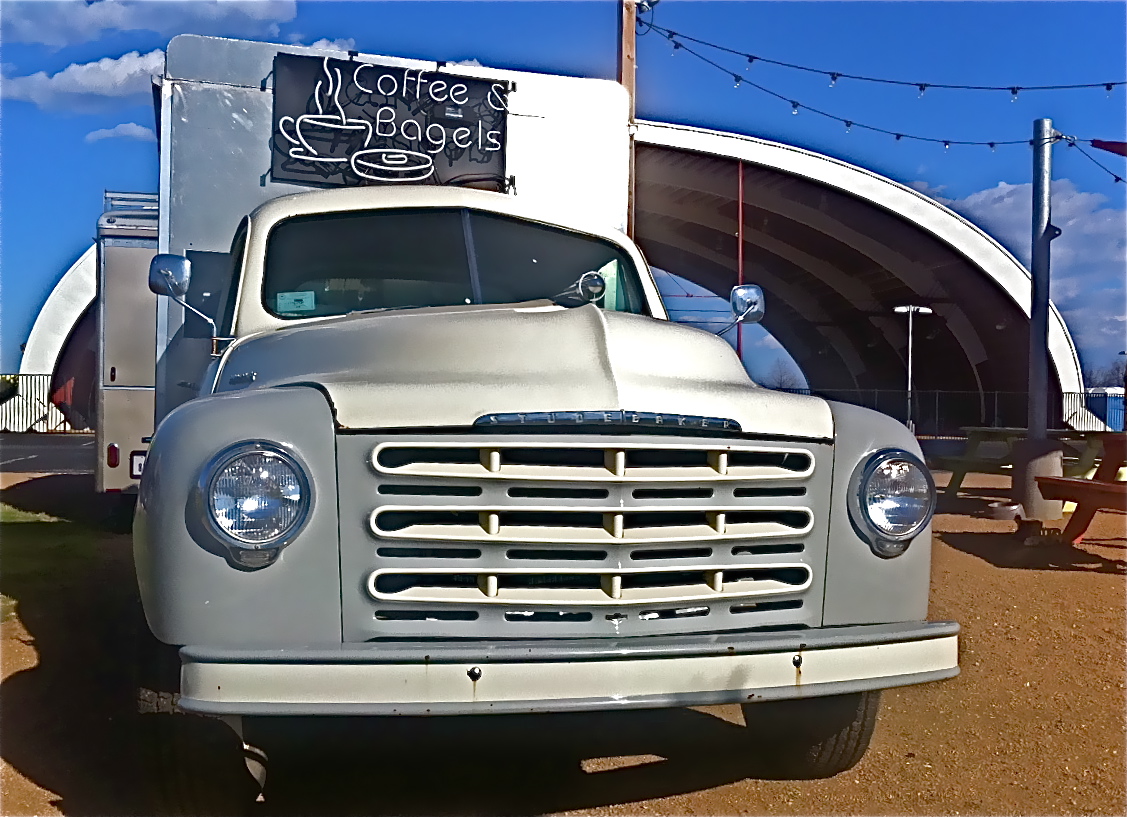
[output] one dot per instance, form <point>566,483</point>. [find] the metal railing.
<point>947,413</point>
<point>26,405</point>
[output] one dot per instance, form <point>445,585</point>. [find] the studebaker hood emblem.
<point>450,366</point>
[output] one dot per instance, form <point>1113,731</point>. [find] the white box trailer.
<point>225,145</point>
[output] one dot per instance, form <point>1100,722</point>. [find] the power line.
<point>834,76</point>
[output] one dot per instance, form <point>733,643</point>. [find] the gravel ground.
<point>1034,725</point>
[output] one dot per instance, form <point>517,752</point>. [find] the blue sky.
<point>76,116</point>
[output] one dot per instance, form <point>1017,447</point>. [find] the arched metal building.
<point>835,247</point>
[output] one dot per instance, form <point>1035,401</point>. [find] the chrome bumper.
<point>451,678</point>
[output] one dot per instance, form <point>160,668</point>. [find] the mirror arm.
<point>193,310</point>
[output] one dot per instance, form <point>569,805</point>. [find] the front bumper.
<point>466,677</point>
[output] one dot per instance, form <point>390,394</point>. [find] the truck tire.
<point>192,765</point>
<point>810,738</point>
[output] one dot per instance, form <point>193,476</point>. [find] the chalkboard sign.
<point>340,122</point>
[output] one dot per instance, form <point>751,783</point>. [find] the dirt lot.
<point>1034,725</point>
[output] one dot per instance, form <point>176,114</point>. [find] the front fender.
<point>190,591</point>
<point>862,588</point>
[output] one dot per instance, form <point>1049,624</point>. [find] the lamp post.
<point>911,312</point>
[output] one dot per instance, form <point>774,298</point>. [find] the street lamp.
<point>911,311</point>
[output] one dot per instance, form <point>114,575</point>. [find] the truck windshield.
<point>332,264</point>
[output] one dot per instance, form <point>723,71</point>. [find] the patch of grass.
<point>7,607</point>
<point>10,515</point>
<point>40,554</point>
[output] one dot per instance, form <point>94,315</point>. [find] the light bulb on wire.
<point>794,106</point>
<point>1013,94</point>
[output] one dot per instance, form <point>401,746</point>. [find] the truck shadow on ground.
<point>72,497</point>
<point>68,722</point>
<point>504,764</point>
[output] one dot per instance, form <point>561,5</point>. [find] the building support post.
<point>740,258</point>
<point>1037,455</point>
<point>627,65</point>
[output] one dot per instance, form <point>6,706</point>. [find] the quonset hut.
<point>835,247</point>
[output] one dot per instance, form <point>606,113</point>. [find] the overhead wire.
<point>834,76</point>
<point>796,106</point>
<point>675,38</point>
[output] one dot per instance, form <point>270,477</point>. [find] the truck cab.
<point>433,472</point>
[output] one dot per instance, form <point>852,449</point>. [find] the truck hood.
<point>449,366</point>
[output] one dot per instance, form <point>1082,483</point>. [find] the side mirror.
<point>589,288</point>
<point>748,304</point>
<point>170,275</point>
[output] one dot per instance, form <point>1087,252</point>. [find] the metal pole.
<point>1037,455</point>
<point>911,314</point>
<point>911,310</point>
<point>1043,233</point>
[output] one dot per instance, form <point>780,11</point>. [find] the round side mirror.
<point>591,286</point>
<point>748,304</point>
<point>170,275</point>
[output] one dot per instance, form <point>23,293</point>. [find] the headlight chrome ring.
<point>257,497</point>
<point>891,499</point>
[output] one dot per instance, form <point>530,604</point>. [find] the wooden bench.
<point>1102,492</point>
<point>989,450</point>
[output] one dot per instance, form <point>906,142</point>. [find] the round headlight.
<point>257,496</point>
<point>892,500</point>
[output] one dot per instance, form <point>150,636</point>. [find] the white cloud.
<point>91,85</point>
<point>66,22</point>
<point>335,45</point>
<point>126,130</point>
<point>1087,263</point>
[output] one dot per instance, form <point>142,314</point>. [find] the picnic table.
<point>1101,492</point>
<point>990,450</point>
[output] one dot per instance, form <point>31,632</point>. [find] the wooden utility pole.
<point>627,63</point>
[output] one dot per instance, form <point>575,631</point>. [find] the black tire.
<point>810,738</point>
<point>192,765</point>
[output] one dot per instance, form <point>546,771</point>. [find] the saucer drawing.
<point>392,165</point>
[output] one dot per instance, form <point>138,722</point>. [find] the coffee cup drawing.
<point>325,128</point>
<point>322,128</point>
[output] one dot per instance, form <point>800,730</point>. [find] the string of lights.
<point>1072,143</point>
<point>834,76</point>
<point>850,124</point>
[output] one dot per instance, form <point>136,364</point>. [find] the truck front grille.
<point>561,536</point>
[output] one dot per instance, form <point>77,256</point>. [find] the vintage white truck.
<point>444,453</point>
